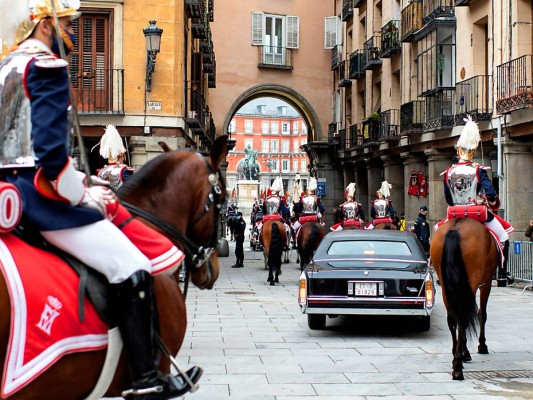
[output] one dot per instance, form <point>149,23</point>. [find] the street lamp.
<point>152,35</point>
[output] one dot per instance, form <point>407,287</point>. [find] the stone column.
<point>517,191</point>
<point>375,177</point>
<point>438,161</point>
<point>412,203</point>
<point>393,171</point>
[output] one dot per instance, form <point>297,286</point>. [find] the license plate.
<point>365,289</point>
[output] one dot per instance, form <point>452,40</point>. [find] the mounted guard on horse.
<point>43,189</point>
<point>311,206</point>
<point>382,209</point>
<point>273,207</point>
<point>353,215</point>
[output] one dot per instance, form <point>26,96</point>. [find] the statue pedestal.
<point>248,192</point>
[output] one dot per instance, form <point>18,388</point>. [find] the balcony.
<point>275,57</point>
<point>373,53</point>
<point>344,79</point>
<point>411,20</point>
<point>358,3</point>
<point>390,39</point>
<point>412,117</point>
<point>194,8</point>
<point>439,111</point>
<point>460,3</point>
<point>199,31</point>
<point>515,85</point>
<point>371,130</point>
<point>198,115</point>
<point>357,63</point>
<point>356,137</point>
<point>211,11</point>
<point>434,9</point>
<point>343,144</point>
<point>473,97</point>
<point>332,132</point>
<point>210,131</point>
<point>390,125</point>
<point>347,10</point>
<point>336,56</point>
<point>98,91</point>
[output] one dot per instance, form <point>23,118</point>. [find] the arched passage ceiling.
<point>314,130</point>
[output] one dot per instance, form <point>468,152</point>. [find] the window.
<point>295,165</point>
<point>264,126</point>
<point>274,146</point>
<point>304,141</point>
<point>296,147</point>
<point>248,126</point>
<point>285,166</point>
<point>275,31</point>
<point>295,127</point>
<point>233,126</point>
<point>285,146</point>
<point>275,165</point>
<point>264,145</point>
<point>369,248</point>
<point>274,127</point>
<point>332,32</point>
<point>304,165</point>
<point>304,129</point>
<point>285,128</point>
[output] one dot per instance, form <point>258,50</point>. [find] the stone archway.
<point>310,117</point>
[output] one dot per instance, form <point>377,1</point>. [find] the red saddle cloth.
<point>352,222</point>
<point>385,220</point>
<point>44,319</point>
<point>271,217</point>
<point>477,212</point>
<point>306,218</point>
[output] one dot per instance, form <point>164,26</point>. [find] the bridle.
<point>195,255</point>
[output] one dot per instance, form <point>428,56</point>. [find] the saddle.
<point>306,218</point>
<point>383,220</point>
<point>475,211</point>
<point>351,222</point>
<point>272,217</point>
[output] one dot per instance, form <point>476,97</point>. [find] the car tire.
<point>422,324</point>
<point>316,321</point>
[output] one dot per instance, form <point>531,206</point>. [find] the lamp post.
<point>152,35</point>
<point>269,166</point>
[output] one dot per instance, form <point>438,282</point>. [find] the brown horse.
<point>465,257</point>
<point>273,237</point>
<point>309,237</point>
<point>182,192</point>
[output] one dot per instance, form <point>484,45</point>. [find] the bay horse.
<point>465,257</point>
<point>309,237</point>
<point>181,192</point>
<point>273,237</point>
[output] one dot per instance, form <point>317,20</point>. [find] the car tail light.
<point>429,294</point>
<point>302,293</point>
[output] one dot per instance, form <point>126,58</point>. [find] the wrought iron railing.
<point>275,57</point>
<point>356,137</point>
<point>98,91</point>
<point>459,3</point>
<point>411,20</point>
<point>344,78</point>
<point>332,130</point>
<point>473,97</point>
<point>371,129</point>
<point>437,8</point>
<point>390,125</point>
<point>199,118</point>
<point>515,84</point>
<point>390,39</point>
<point>336,56</point>
<point>347,10</point>
<point>412,117</point>
<point>342,140</point>
<point>357,63</point>
<point>194,8</point>
<point>439,110</point>
<point>373,52</point>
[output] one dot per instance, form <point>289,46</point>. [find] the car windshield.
<point>368,248</point>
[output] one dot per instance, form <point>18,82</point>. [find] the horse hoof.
<point>271,283</point>
<point>269,279</point>
<point>483,349</point>
<point>458,376</point>
<point>276,280</point>
<point>466,356</point>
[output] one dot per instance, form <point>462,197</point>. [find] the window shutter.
<point>293,32</point>
<point>330,32</point>
<point>257,28</point>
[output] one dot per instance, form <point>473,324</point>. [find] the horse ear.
<point>164,146</point>
<point>219,151</point>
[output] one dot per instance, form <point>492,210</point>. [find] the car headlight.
<point>302,292</point>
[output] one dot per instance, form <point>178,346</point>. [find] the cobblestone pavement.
<point>254,343</point>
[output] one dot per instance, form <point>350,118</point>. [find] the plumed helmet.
<point>277,185</point>
<point>297,177</point>
<point>111,145</point>
<point>385,189</point>
<point>312,185</point>
<point>19,18</point>
<point>468,140</point>
<point>350,191</point>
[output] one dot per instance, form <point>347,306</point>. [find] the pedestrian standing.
<point>240,228</point>
<point>422,228</point>
<point>402,222</point>
<point>529,231</point>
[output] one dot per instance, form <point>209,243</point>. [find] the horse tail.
<point>275,250</point>
<point>309,246</point>
<point>459,295</point>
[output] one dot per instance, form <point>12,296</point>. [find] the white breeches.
<point>338,228</point>
<point>296,225</point>
<point>101,246</point>
<point>497,227</point>
<point>370,226</point>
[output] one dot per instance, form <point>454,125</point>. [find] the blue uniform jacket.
<point>49,98</point>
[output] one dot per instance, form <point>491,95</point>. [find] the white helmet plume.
<point>385,188</point>
<point>12,15</point>
<point>111,145</point>
<point>350,190</point>
<point>277,185</point>
<point>312,185</point>
<point>469,138</point>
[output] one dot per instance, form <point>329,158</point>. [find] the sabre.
<point>74,110</point>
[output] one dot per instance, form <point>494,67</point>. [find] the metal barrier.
<point>520,264</point>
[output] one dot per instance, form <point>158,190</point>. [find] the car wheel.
<point>423,324</point>
<point>316,321</point>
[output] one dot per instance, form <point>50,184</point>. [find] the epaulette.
<point>32,50</point>
<point>50,61</point>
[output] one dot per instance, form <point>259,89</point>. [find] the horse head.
<point>181,193</point>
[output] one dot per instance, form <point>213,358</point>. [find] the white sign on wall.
<point>154,105</point>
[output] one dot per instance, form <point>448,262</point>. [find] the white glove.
<point>102,199</point>
<point>99,181</point>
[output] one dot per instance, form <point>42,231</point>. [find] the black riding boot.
<point>134,305</point>
<point>504,277</point>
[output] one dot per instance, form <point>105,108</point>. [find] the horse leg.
<point>278,273</point>
<point>484,293</point>
<point>457,363</point>
<point>270,276</point>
